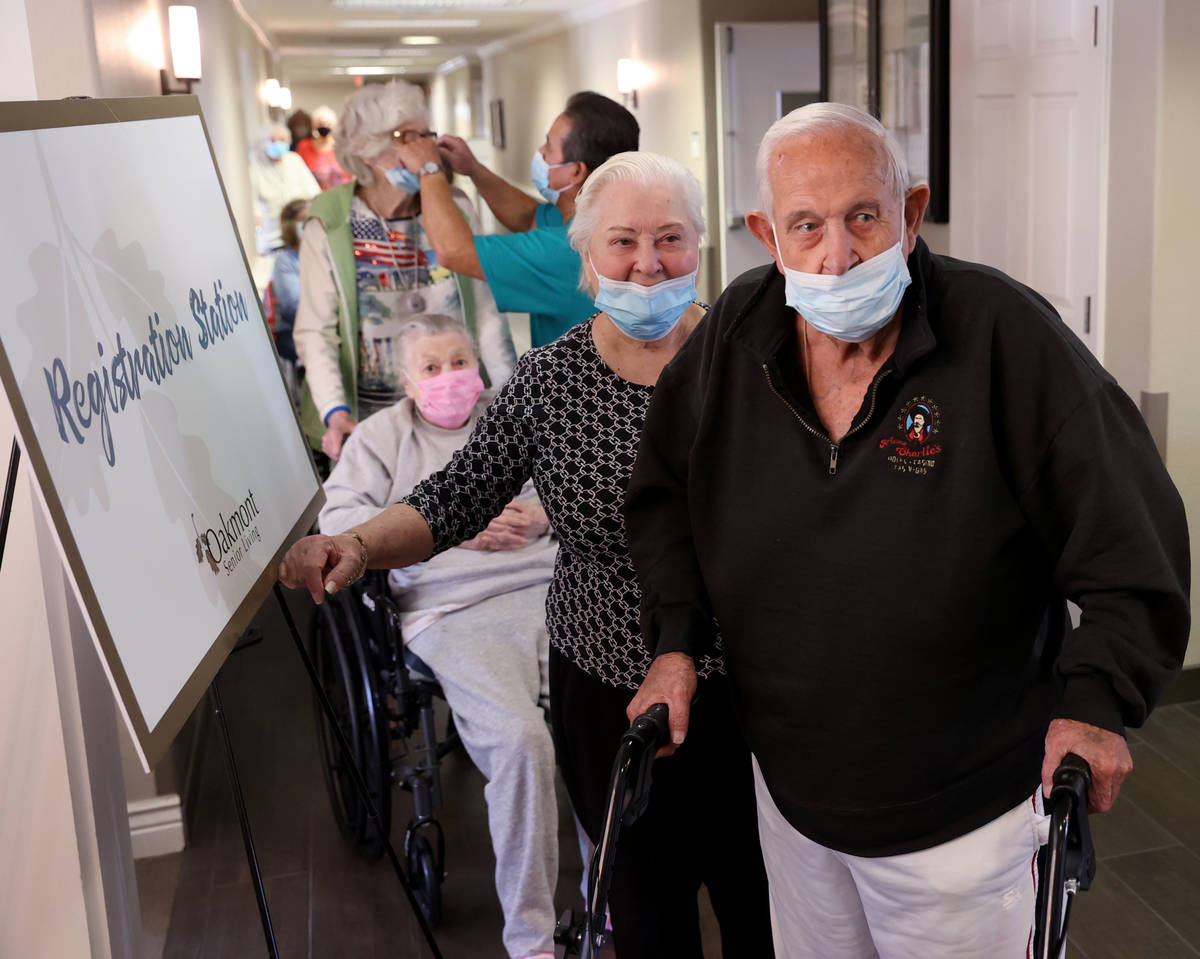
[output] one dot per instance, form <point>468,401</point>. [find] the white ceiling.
<point>321,40</point>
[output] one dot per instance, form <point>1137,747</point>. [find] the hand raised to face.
<point>416,153</point>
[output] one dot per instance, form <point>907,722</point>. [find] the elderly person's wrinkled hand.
<point>457,154</point>
<point>341,424</point>
<point>416,154</point>
<point>1106,753</point>
<point>321,564</point>
<point>671,679</point>
<point>522,519</point>
<point>518,526</point>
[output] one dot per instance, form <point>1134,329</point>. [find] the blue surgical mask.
<point>404,179</point>
<point>855,305</point>
<point>275,149</point>
<point>644,312</point>
<point>539,173</point>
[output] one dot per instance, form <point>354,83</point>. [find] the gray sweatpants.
<point>492,662</point>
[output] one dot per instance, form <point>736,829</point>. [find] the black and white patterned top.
<point>573,425</point>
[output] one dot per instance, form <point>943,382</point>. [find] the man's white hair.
<point>370,115</point>
<point>653,172</point>
<point>818,118</point>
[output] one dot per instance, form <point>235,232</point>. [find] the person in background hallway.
<point>570,417</point>
<point>858,416</point>
<point>299,124</point>
<point>367,266</point>
<point>285,289</point>
<point>475,615</point>
<point>318,150</point>
<point>533,269</point>
<point>277,176</point>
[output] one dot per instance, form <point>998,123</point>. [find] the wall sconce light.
<point>275,96</point>
<point>631,74</point>
<point>184,29</point>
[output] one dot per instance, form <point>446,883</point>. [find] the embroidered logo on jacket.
<point>915,448</point>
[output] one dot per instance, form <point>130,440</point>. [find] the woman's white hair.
<point>324,111</point>
<point>651,172</point>
<point>430,324</point>
<point>818,118</point>
<point>370,115</point>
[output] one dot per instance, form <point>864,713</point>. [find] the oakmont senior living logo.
<point>227,543</point>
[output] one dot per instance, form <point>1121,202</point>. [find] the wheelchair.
<point>383,699</point>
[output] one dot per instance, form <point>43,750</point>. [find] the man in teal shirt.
<point>532,269</point>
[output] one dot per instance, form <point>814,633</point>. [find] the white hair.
<point>818,118</point>
<point>324,111</point>
<point>650,172</point>
<point>430,324</point>
<point>370,115</point>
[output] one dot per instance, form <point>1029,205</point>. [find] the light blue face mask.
<point>539,173</point>
<point>404,179</point>
<point>275,149</point>
<point>854,306</point>
<point>644,313</point>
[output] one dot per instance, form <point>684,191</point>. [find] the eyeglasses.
<point>412,136</point>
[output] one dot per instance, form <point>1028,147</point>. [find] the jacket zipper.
<point>833,447</point>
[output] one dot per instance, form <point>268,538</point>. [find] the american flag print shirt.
<point>398,278</point>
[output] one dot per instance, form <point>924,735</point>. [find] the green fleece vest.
<point>332,208</point>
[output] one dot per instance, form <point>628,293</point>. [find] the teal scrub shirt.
<point>537,273</point>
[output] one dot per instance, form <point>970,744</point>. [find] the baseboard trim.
<point>1185,689</point>
<point>156,826</point>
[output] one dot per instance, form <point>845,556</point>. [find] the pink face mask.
<point>448,398</point>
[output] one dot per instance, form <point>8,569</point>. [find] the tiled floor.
<point>1145,901</point>
<point>325,902</point>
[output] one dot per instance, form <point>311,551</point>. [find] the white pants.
<point>492,660</point>
<point>971,897</point>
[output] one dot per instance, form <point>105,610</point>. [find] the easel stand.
<point>10,489</point>
<point>239,800</point>
<point>214,695</point>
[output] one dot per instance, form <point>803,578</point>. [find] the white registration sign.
<point>146,389</point>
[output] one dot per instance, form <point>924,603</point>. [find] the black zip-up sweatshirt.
<point>893,606</point>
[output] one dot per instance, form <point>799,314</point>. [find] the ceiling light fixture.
<point>401,25</point>
<point>375,71</point>
<point>324,53</point>
<point>420,41</point>
<point>421,5</point>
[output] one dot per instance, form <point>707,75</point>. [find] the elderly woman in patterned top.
<point>570,418</point>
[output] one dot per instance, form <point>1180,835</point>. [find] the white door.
<point>1027,96</point>
<point>764,70</point>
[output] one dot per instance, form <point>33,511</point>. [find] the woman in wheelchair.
<point>474,614</point>
<point>570,417</point>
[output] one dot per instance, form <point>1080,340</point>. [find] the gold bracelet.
<point>362,558</point>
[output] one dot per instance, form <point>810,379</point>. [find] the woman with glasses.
<point>367,267</point>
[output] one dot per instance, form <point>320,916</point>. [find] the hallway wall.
<point>234,65</point>
<point>535,75</point>
<point>309,96</point>
<point>1174,331</point>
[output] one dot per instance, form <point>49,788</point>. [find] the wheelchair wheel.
<point>349,679</point>
<point>425,876</point>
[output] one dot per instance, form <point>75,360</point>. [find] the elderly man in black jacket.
<point>881,474</point>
